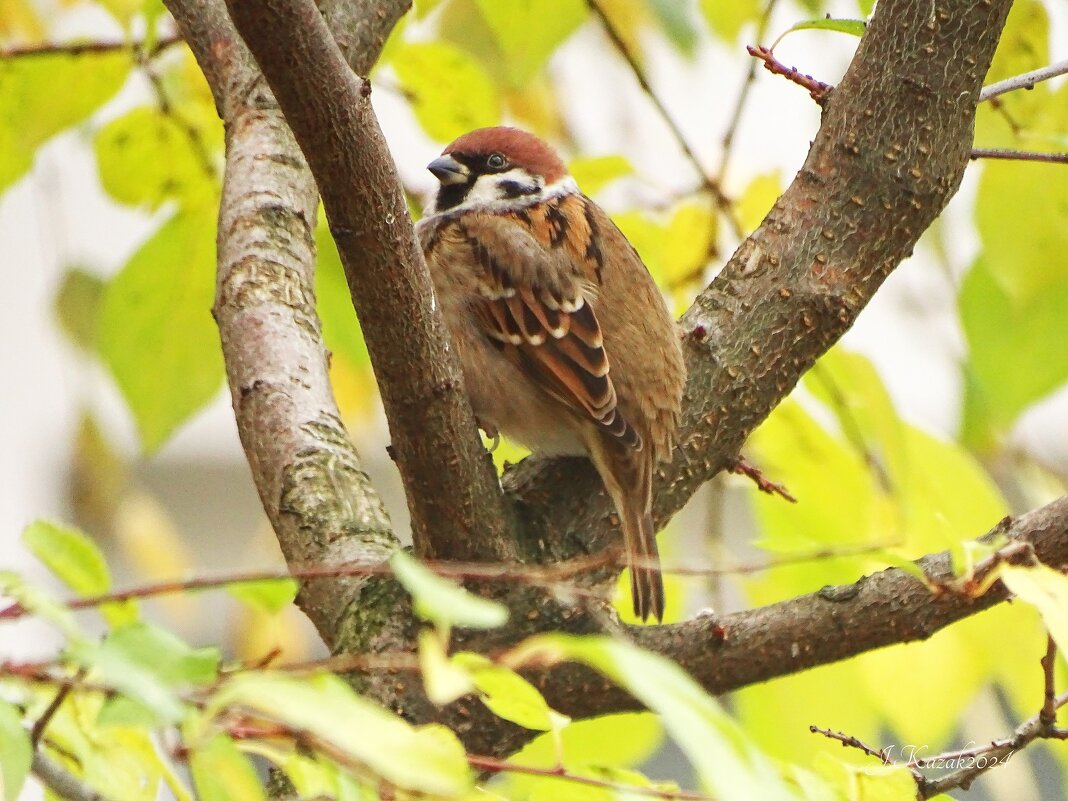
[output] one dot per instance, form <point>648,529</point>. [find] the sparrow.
<point>566,343</point>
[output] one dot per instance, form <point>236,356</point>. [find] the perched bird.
<point>566,343</point>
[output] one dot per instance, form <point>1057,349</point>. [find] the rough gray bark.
<point>450,482</point>
<point>320,502</point>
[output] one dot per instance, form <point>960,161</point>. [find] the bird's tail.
<point>646,583</point>
<point>629,482</point>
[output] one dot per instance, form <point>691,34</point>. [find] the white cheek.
<point>487,189</point>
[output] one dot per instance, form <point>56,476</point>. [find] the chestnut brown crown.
<point>519,148</point>
<point>490,167</point>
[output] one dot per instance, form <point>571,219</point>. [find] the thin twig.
<point>42,722</point>
<point>1048,714</point>
<point>981,758</point>
<point>849,741</point>
<point>851,427</point>
<point>817,90</point>
<point>1018,155</point>
<point>742,467</point>
<point>196,141</point>
<point>995,754</point>
<point>347,663</point>
<point>724,203</point>
<point>83,48</point>
<point>1025,81</point>
<point>62,783</point>
<point>254,730</point>
<point>552,575</point>
<point>492,765</point>
<point>976,581</point>
<point>45,673</point>
<point>743,97</point>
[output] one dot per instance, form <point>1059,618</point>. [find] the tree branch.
<point>1025,81</point>
<point>1018,155</point>
<point>59,781</point>
<point>726,653</point>
<point>451,486</point>
<point>309,477</point>
<point>87,48</point>
<point>891,151</point>
<point>973,762</point>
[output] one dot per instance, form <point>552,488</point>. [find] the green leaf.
<point>1045,589</point>
<point>16,752</point>
<point>38,602</point>
<point>854,27</point>
<point>527,35</point>
<point>1014,349</point>
<point>423,7</point>
<point>270,595</point>
<point>124,712</point>
<point>611,741</point>
<point>320,778</point>
<point>450,92</point>
<point>70,555</point>
<point>675,18</point>
<point>77,306</point>
<point>674,250</point>
<point>441,601</point>
<point>862,475</point>
<point>444,680</point>
<point>726,19</point>
<point>1017,197</point>
<point>341,329</point>
<point>156,332</point>
<point>148,664</point>
<point>146,158</point>
<point>426,759</point>
<point>44,95</point>
<point>119,763</point>
<point>76,560</point>
<point>1022,47</point>
<point>222,773</point>
<point>1024,43</point>
<point>865,782</point>
<point>593,174</point>
<point>724,758</point>
<point>122,10</point>
<point>508,695</point>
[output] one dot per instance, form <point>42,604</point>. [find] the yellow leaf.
<point>1045,589</point>
<point>758,199</point>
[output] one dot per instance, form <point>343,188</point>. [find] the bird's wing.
<point>533,302</point>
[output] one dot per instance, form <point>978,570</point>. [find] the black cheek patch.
<point>513,189</point>
<point>451,195</point>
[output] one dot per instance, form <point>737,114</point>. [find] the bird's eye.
<point>496,162</point>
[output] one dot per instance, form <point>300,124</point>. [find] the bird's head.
<point>498,169</point>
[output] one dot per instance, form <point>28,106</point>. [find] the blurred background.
<point>942,410</point>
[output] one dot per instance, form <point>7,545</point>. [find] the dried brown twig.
<point>971,763</point>
<point>725,204</point>
<point>817,90</point>
<point>1018,155</point>
<point>742,467</point>
<point>86,48</point>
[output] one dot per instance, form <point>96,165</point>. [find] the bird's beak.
<point>448,170</point>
